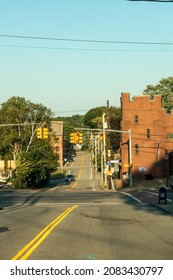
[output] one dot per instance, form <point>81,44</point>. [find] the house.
<point>151,137</point>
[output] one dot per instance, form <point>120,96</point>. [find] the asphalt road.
<point>80,221</point>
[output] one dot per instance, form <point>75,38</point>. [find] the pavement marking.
<point>80,171</point>
<point>79,175</point>
<point>91,173</point>
<point>130,195</point>
<point>24,253</point>
<point>94,187</point>
<point>156,194</point>
<point>74,185</point>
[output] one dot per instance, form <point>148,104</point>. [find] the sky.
<point>83,53</point>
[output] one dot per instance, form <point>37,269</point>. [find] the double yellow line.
<point>34,243</point>
<point>79,175</point>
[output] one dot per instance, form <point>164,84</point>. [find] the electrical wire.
<point>82,49</point>
<point>84,40</point>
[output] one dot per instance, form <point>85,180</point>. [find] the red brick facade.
<point>58,140</point>
<point>152,135</point>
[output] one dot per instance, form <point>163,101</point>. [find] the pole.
<point>167,179</point>
<point>130,157</point>
<point>96,139</point>
<point>104,149</point>
<point>101,153</point>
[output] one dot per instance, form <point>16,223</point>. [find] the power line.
<point>70,111</point>
<point>84,40</point>
<point>164,1</point>
<point>84,49</point>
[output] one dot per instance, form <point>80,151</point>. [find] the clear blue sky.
<point>77,76</point>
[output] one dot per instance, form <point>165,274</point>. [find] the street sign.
<point>128,165</point>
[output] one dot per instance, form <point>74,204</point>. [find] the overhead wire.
<point>83,49</point>
<point>85,40</point>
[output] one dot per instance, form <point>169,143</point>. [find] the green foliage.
<point>35,165</point>
<point>115,119</point>
<point>163,88</point>
<point>17,110</point>
<point>93,118</point>
<point>55,176</point>
<point>70,123</point>
<point>35,157</point>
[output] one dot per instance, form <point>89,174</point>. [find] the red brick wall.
<point>151,153</point>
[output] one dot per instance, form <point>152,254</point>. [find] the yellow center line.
<point>34,243</point>
<point>74,185</point>
<point>79,175</point>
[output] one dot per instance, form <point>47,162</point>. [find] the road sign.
<point>128,165</point>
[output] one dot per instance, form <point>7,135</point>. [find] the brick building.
<point>58,140</point>
<point>151,136</point>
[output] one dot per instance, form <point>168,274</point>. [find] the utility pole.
<point>108,147</point>
<point>130,156</point>
<point>104,147</point>
<point>96,151</point>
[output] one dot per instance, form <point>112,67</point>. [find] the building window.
<point>136,149</point>
<point>56,140</point>
<point>148,133</point>
<point>57,149</point>
<point>136,118</point>
<point>170,136</point>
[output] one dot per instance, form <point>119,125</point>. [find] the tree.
<point>115,119</point>
<point>93,118</point>
<point>70,123</point>
<point>35,165</point>
<point>34,156</point>
<point>163,88</point>
<point>26,117</point>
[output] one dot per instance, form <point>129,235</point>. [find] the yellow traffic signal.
<point>80,139</point>
<point>73,138</point>
<point>101,136</point>
<point>42,133</point>
<point>45,132</point>
<point>39,133</point>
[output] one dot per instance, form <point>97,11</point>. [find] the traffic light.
<point>73,138</point>
<point>42,133</point>
<point>80,138</point>
<point>101,136</point>
<point>39,133</point>
<point>45,132</point>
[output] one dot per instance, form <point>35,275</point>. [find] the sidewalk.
<point>153,186</point>
<point>143,187</point>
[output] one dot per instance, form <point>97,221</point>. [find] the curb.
<point>166,210</point>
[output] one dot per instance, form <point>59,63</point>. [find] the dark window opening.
<point>148,133</point>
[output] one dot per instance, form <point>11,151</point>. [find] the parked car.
<point>70,159</point>
<point>70,178</point>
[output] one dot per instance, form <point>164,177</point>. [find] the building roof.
<point>57,127</point>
